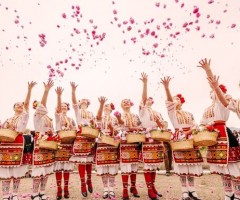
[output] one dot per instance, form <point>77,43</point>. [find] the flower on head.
<point>223,88</point>
<point>35,104</point>
<point>181,98</point>
<point>112,106</point>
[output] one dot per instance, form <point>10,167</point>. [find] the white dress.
<point>181,120</point>
<point>18,124</point>
<point>146,115</point>
<point>42,124</point>
<point>64,164</point>
<point>217,112</point>
<point>83,117</point>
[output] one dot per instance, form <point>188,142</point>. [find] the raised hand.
<point>205,64</point>
<point>102,100</point>
<point>165,81</point>
<point>59,91</point>
<point>213,81</point>
<point>48,85</point>
<point>31,85</point>
<point>144,77</point>
<point>74,86</point>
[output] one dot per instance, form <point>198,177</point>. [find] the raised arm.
<point>74,87</point>
<point>47,87</point>
<point>205,64</point>
<point>59,92</point>
<point>213,81</point>
<point>144,79</point>
<point>27,99</point>
<point>165,81</point>
<point>102,101</point>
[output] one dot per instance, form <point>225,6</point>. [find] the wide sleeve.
<point>77,113</point>
<point>234,105</point>
<point>58,121</point>
<point>22,122</point>
<point>40,112</point>
<point>171,108</point>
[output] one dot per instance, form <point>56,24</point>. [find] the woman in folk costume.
<point>152,151</point>
<point>63,166</point>
<point>43,160</point>
<point>187,164</point>
<point>129,153</point>
<point>13,163</point>
<point>223,157</point>
<point>83,148</point>
<point>107,155</point>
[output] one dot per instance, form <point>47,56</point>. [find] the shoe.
<point>84,194</point>
<point>43,196</point>
<point>156,192</point>
<point>7,198</point>
<point>15,197</point>
<point>90,187</point>
<point>186,198</point>
<point>168,173</point>
<point>231,198</point>
<point>192,196</point>
<point>35,197</point>
<point>105,195</point>
<point>111,195</point>
<point>59,198</point>
<point>125,198</point>
<point>152,198</point>
<point>84,190</point>
<point>66,195</point>
<point>134,192</point>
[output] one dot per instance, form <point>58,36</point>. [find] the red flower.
<point>223,88</point>
<point>210,128</point>
<point>64,15</point>
<point>195,10</point>
<point>112,106</point>
<point>181,98</point>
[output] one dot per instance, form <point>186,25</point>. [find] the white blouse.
<point>82,116</point>
<point>64,122</point>
<point>217,111</point>
<point>179,118</point>
<point>42,122</point>
<point>17,123</point>
<point>147,115</point>
<point>234,105</point>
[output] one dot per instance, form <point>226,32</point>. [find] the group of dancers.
<point>223,157</point>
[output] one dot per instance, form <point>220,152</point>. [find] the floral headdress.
<point>181,98</point>
<point>112,106</point>
<point>35,104</point>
